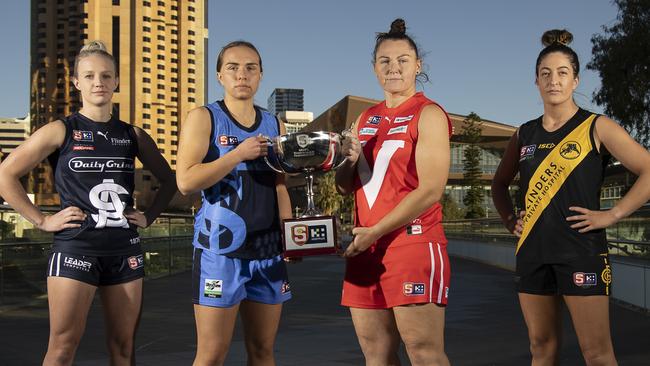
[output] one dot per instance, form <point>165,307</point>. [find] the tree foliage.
<point>328,200</point>
<point>621,56</point>
<point>475,195</point>
<point>450,209</point>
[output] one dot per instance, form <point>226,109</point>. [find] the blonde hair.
<point>93,48</point>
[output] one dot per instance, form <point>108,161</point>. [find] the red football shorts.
<point>385,277</point>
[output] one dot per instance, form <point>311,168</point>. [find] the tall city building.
<point>159,47</point>
<point>282,100</point>
<point>13,131</point>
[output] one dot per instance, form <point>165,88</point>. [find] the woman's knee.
<point>598,354</point>
<point>543,345</point>
<point>121,347</point>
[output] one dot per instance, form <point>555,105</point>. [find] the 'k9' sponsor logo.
<point>101,164</point>
<point>309,234</point>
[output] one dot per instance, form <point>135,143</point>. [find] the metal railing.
<point>167,247</point>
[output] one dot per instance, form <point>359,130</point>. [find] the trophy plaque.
<point>306,153</point>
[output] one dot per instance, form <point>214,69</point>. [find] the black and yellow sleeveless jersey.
<point>558,170</point>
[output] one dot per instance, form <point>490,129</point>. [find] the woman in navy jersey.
<point>238,265</point>
<point>96,243</point>
<point>562,251</point>
<point>397,272</point>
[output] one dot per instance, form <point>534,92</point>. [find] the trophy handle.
<point>266,158</point>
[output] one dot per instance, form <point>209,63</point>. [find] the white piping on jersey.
<point>442,279</point>
<point>433,269</point>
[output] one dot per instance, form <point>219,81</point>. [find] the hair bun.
<point>94,46</point>
<point>398,26</point>
<point>557,36</point>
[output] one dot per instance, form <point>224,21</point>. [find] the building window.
<point>146,3</point>
<point>161,27</point>
<point>161,37</point>
<point>146,105</point>
<point>146,29</point>
<point>161,3</point>
<point>160,141</point>
<point>191,61</point>
<point>174,31</point>
<point>161,121</point>
<point>191,32</point>
<point>174,80</point>
<point>160,130</point>
<point>161,87</point>
<point>161,67</point>
<point>146,80</point>
<point>174,17</point>
<point>161,111</point>
<point>161,47</point>
<point>191,42</point>
<point>146,39</point>
<point>161,77</point>
<point>146,59</point>
<point>146,90</point>
<point>162,97</point>
<point>146,126</point>
<point>190,8</point>
<point>146,19</point>
<point>191,80</point>
<point>174,70</point>
<point>161,13</point>
<point>146,49</point>
<point>191,71</point>
<point>191,90</point>
<point>161,57</point>
<point>191,100</point>
<point>190,18</point>
<point>146,69</point>
<point>146,116</point>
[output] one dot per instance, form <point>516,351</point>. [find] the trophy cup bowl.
<point>306,153</point>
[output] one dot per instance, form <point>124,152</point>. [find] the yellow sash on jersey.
<point>553,171</point>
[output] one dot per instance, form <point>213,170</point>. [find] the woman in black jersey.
<point>96,244</point>
<point>562,248</point>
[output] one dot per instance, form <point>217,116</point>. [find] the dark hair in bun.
<point>558,40</point>
<point>398,32</point>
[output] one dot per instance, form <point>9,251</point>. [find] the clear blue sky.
<point>480,55</point>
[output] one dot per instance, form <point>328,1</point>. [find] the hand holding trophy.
<point>306,153</point>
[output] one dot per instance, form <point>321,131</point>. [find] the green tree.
<point>621,58</point>
<point>471,135</point>
<point>450,209</point>
<point>328,200</point>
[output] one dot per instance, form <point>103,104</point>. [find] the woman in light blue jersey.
<point>238,265</point>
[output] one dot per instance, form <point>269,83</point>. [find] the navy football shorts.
<point>96,271</point>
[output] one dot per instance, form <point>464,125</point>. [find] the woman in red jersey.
<point>562,250</point>
<point>397,274</point>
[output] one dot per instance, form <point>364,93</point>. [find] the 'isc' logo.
<point>306,234</point>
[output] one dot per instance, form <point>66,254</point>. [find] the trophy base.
<point>308,236</point>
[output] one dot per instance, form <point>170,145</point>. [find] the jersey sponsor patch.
<point>82,148</point>
<point>403,119</point>
<point>225,140</point>
<point>101,164</point>
<point>414,229</point>
<point>584,279</point>
<point>78,264</point>
<point>527,152</point>
<point>413,289</point>
<point>546,146</point>
<point>79,135</point>
<point>368,131</point>
<point>213,288</point>
<point>136,261</point>
<point>399,129</point>
<point>373,120</point>
<point>286,287</point>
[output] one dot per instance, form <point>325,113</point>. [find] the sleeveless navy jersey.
<point>239,214</point>
<point>93,170</point>
<point>551,238</point>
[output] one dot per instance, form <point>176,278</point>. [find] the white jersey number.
<point>106,198</point>
<point>372,180</point>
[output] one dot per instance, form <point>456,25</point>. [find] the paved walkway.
<point>484,324</point>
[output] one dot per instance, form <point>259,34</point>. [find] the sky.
<point>480,55</point>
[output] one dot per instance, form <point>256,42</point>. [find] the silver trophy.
<point>305,153</point>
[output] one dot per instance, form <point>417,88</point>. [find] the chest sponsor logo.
<point>213,288</point>
<point>136,261</point>
<point>78,264</point>
<point>225,140</point>
<point>527,152</point>
<point>82,148</point>
<point>103,134</point>
<point>105,197</point>
<point>368,131</point>
<point>400,129</point>
<point>584,279</point>
<point>570,150</point>
<point>120,141</point>
<point>373,120</point>
<point>85,136</point>
<point>100,165</point>
<point>413,289</point>
<point>403,119</point>
<point>546,146</point>
<point>312,234</point>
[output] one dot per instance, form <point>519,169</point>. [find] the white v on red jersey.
<point>386,170</point>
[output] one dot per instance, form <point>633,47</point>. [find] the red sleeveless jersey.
<point>386,170</point>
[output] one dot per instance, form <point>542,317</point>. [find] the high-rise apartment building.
<point>160,48</point>
<point>13,131</point>
<point>282,100</point>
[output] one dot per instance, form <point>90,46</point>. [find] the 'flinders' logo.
<point>570,150</point>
